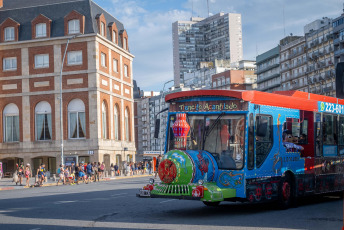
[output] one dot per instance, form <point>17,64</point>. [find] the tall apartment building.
<point>97,84</point>
<point>338,43</point>
<point>293,63</point>
<point>320,55</point>
<point>268,70</point>
<point>204,40</point>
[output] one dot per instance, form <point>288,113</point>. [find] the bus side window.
<point>318,135</point>
<point>341,135</point>
<point>250,157</point>
<point>264,136</point>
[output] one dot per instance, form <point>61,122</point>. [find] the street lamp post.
<point>161,116</point>
<point>61,106</point>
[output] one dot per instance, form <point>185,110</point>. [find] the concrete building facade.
<point>320,57</point>
<point>204,40</point>
<point>268,70</point>
<point>293,64</point>
<point>98,118</point>
<point>338,42</point>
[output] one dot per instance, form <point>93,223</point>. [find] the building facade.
<point>320,57</point>
<point>293,64</point>
<point>97,84</point>
<point>268,70</point>
<point>338,43</point>
<point>234,80</point>
<point>204,40</point>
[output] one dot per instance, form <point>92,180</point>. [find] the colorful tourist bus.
<point>226,145</point>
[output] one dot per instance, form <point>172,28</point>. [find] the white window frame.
<point>43,108</point>
<point>125,70</point>
<point>116,123</point>
<point>102,28</point>
<point>9,34</point>
<point>125,43</point>
<point>11,110</point>
<point>45,61</point>
<point>103,59</point>
<point>115,65</point>
<point>74,26</point>
<point>73,60</point>
<point>41,30</point>
<point>104,121</point>
<point>13,64</point>
<point>114,36</point>
<point>78,108</point>
<point>126,125</point>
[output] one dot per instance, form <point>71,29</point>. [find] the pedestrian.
<point>125,168</point>
<point>27,174</point>
<point>112,170</point>
<point>129,169</point>
<point>157,165</point>
<point>102,169</point>
<point>96,173</point>
<point>61,173</point>
<point>66,175</point>
<point>72,173</point>
<point>20,173</point>
<point>82,174</point>
<point>41,174</point>
<point>149,167</point>
<point>76,172</point>
<point>89,171</point>
<point>116,170</point>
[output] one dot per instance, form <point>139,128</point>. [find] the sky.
<point>149,27</point>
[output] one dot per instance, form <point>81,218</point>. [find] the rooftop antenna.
<point>283,22</point>
<point>208,7</point>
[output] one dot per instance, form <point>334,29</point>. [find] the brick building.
<point>97,84</point>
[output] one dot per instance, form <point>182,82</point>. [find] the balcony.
<point>339,52</point>
<point>267,68</point>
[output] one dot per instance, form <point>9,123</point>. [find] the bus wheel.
<point>285,194</point>
<point>211,204</point>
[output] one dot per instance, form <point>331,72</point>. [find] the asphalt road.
<point>114,205</point>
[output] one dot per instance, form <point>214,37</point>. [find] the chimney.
<point>1,3</point>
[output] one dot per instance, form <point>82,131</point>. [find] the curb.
<point>54,183</point>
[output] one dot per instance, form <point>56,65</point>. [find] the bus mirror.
<point>262,129</point>
<point>157,128</point>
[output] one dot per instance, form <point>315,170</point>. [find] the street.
<point>114,205</point>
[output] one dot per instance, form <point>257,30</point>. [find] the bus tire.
<point>285,192</point>
<point>211,204</point>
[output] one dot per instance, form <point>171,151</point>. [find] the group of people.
<point>82,172</point>
<point>25,172</point>
<point>85,172</point>
<point>134,168</point>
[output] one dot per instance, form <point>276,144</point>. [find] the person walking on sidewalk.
<point>102,170</point>
<point>21,173</point>
<point>60,171</point>
<point>89,171</point>
<point>41,174</point>
<point>95,169</point>
<point>116,170</point>
<point>157,165</point>
<point>27,174</point>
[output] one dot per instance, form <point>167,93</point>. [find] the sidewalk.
<point>8,184</point>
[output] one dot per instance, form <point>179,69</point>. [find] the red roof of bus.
<point>287,99</point>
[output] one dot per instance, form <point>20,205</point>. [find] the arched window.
<point>11,123</point>
<point>126,123</point>
<point>43,121</point>
<point>116,122</point>
<point>104,123</point>
<point>76,119</point>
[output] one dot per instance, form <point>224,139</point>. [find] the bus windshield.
<point>221,135</point>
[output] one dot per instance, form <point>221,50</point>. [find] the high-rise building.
<point>205,40</point>
<point>268,70</point>
<point>320,57</point>
<point>97,81</point>
<point>338,32</point>
<point>293,63</point>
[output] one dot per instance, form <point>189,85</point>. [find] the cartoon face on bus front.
<point>213,142</point>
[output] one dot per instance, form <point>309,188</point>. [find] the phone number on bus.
<point>330,107</point>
